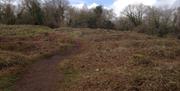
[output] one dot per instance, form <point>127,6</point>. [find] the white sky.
<point>119,5</point>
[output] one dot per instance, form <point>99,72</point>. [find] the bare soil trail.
<point>43,75</point>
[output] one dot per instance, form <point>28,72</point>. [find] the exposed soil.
<point>43,75</point>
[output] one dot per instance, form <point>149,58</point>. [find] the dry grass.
<point>122,61</point>
<point>21,45</point>
<point>109,61</point>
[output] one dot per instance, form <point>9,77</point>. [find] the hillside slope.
<point>22,45</point>
<point>107,60</point>
<point>122,61</point>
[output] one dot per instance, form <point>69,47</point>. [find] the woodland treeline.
<point>59,13</point>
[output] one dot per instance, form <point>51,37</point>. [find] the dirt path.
<point>43,75</point>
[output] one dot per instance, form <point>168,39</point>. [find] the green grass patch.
<point>142,60</point>
<point>7,82</point>
<point>22,30</point>
<point>70,74</point>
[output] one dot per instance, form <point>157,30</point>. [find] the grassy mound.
<point>21,45</point>
<point>22,30</point>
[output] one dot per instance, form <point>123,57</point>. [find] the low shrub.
<point>9,59</point>
<point>139,59</point>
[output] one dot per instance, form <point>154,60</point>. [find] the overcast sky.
<point>119,5</point>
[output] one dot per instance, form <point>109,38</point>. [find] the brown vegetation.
<point>110,60</point>
<point>22,45</point>
<point>122,61</point>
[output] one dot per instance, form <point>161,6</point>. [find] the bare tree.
<point>123,24</point>
<point>55,12</point>
<point>34,9</point>
<point>177,22</point>
<point>135,13</point>
<point>153,17</point>
<point>1,11</point>
<point>159,20</point>
<point>78,17</point>
<point>178,19</point>
<point>7,12</point>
